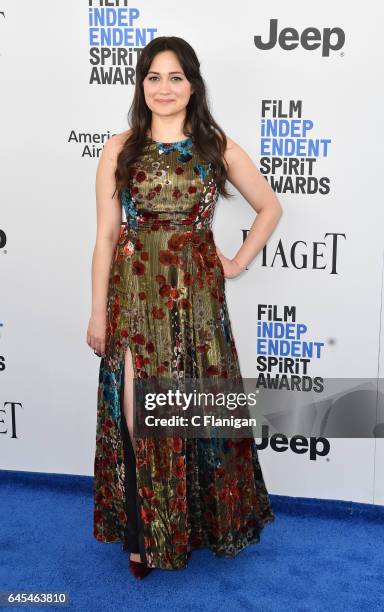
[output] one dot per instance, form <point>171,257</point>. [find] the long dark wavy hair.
<point>208,137</point>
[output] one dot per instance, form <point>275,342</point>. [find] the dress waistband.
<point>159,224</point>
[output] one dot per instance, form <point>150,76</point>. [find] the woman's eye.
<point>151,78</point>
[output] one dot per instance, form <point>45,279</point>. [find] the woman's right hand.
<point>96,333</point>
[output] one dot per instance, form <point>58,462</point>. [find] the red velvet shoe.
<point>139,569</point>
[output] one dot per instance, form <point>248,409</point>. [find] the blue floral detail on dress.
<point>210,451</point>
<point>129,209</point>
<point>224,321</point>
<point>111,393</point>
<point>183,146</point>
<point>202,171</point>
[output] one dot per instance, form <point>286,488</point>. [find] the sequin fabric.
<point>166,302</point>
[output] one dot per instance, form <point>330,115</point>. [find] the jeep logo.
<point>310,39</point>
<point>315,447</point>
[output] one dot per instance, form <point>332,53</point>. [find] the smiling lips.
<point>164,101</point>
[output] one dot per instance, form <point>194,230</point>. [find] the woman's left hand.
<point>230,266</point>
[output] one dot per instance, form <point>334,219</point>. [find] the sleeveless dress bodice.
<point>171,186</point>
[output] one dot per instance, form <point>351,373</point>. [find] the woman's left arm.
<point>249,181</point>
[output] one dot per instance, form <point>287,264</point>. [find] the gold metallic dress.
<point>166,302</point>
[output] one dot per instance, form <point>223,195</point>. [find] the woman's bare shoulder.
<point>232,151</point>
<point>117,141</point>
<point>232,146</point>
<point>121,138</point>
<point>114,144</point>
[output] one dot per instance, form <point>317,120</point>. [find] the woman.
<point>159,309</point>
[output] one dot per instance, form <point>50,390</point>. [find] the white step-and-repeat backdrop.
<point>299,87</point>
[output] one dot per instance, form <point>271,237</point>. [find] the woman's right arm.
<point>108,210</point>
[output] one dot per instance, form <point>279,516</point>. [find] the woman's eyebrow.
<point>175,72</point>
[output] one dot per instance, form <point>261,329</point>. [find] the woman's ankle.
<point>135,557</point>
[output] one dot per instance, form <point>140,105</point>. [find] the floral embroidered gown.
<point>166,302</point>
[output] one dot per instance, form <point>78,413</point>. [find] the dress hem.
<point>256,539</point>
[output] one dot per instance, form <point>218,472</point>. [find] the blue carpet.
<point>318,555</point>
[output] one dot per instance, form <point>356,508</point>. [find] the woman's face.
<point>166,88</point>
